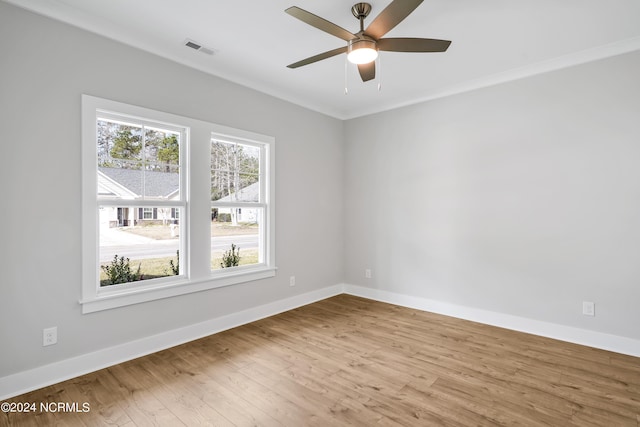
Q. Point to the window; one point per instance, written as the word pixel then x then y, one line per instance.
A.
pixel 146 220
pixel 148 213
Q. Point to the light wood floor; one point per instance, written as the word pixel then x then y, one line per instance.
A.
pixel 352 361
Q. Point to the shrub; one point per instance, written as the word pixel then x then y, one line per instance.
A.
pixel 119 271
pixel 231 258
pixel 224 217
pixel 175 268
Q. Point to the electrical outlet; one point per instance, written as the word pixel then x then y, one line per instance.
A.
pixel 588 308
pixel 292 281
pixel 50 336
pixel 367 273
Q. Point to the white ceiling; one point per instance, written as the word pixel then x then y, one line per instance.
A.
pixel 254 40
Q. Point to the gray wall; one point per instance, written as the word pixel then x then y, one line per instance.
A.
pixel 522 198
pixel 44 68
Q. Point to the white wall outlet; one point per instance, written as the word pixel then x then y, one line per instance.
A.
pixel 367 273
pixel 588 308
pixel 292 281
pixel 50 336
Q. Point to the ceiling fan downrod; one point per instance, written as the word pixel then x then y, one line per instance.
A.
pixel 361 11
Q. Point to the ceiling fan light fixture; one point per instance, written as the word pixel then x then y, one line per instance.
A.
pixel 362 51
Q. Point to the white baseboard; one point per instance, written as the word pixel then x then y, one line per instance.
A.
pixel 585 337
pixel 33 379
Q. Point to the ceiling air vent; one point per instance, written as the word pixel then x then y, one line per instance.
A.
pixel 198 47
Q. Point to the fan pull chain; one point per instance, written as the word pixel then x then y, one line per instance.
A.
pixel 379 67
pixel 346 65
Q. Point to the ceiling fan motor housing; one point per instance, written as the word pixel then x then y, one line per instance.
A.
pixel 362 42
pixel 361 10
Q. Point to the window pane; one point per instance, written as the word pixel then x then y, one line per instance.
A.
pixel 235 172
pixel 148 237
pixel 137 162
pixel 240 227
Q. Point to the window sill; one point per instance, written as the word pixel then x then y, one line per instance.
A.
pixel 108 299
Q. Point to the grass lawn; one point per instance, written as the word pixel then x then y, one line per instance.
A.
pixel 159 267
pixel 247 257
pixel 152 268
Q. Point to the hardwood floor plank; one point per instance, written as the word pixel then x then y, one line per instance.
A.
pixel 351 361
pixel 139 400
pixel 173 389
pixel 89 389
pixel 264 398
pixel 306 399
pixel 235 408
pixel 488 407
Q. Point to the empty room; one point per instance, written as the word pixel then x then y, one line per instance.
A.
pixel 268 213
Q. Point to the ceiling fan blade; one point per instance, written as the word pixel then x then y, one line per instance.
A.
pixel 367 71
pixel 413 45
pixel 318 57
pixel 320 23
pixel 391 16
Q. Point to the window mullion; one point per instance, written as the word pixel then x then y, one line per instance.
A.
pixel 144 160
pixel 238 205
pixel 142 203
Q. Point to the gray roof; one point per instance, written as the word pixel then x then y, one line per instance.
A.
pixel 156 184
pixel 250 193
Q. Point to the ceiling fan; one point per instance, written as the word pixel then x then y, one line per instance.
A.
pixel 362 47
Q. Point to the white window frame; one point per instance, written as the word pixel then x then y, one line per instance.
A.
pixel 195 217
